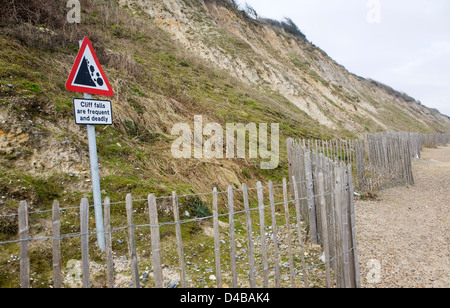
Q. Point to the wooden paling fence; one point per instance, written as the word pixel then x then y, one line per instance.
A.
pixel 433 141
pixel 330 216
pixel 316 205
pixel 276 255
pixel 380 160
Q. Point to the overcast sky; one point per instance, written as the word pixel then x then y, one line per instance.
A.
pixel 402 43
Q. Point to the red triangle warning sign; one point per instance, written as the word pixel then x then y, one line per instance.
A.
pixel 87 75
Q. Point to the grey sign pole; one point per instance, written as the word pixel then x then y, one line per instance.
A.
pixel 95 178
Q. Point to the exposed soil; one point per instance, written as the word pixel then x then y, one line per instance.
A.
pixel 404 236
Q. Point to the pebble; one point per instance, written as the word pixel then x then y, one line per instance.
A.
pixel 397 237
pixel 144 277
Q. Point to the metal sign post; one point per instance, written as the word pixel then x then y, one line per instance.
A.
pixel 88 77
pixel 95 178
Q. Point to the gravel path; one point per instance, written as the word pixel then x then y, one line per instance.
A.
pixel 404 237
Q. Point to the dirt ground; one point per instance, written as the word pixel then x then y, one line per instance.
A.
pixel 404 237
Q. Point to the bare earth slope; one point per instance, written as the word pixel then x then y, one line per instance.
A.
pixel 408 231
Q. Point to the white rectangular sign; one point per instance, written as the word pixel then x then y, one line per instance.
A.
pixel 92 112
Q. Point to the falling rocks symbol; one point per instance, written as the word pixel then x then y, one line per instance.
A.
pixel 87 75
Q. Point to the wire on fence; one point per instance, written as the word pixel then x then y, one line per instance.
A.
pixel 79 234
pixel 157 198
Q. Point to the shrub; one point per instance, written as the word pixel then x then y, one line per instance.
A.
pixel 196 206
pixel 50 14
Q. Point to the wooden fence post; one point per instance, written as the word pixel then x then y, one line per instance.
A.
pixel 299 231
pixel 108 243
pixel 232 237
pixel 288 231
pixel 262 226
pixel 131 242
pixel 56 234
pixel 346 230
pixel 176 214
pixel 84 224
pixel 360 167
pixel 251 255
pixel 317 215
pixel 310 193
pixel 326 247
pixel 24 245
pixel 156 244
pixel 217 239
pixel 338 225
pixel 275 236
pixel 357 273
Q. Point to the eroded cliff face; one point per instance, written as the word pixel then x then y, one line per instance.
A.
pixel 271 59
pixel 167 61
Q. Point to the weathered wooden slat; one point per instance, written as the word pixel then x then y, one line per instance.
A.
pixel 182 264
pixel 288 233
pixel 326 247
pixel 310 194
pixel 299 231
pixel 262 225
pixel 56 234
pixel 357 274
pixel 84 225
pixel 360 167
pixel 217 239
pixel 348 274
pixel 156 242
pixel 275 236
pixel 24 245
pixel 232 238
pixel 338 225
pixel 132 242
pixel 108 243
pixel 251 254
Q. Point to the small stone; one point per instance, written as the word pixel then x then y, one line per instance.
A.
pixel 322 258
